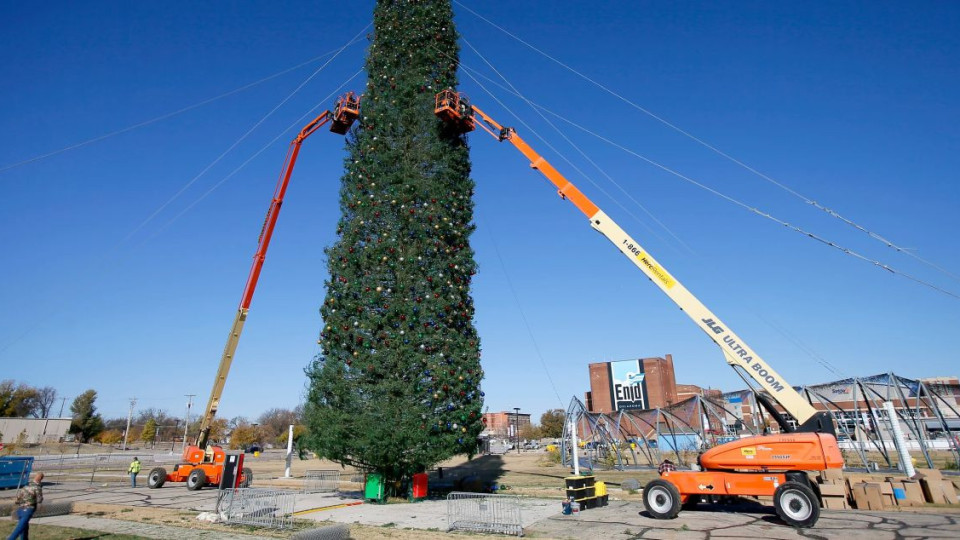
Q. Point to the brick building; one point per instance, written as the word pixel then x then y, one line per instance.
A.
pixel 687 391
pixel 645 383
pixel 503 424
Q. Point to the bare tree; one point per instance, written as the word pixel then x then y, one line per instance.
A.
pixel 159 416
pixel 46 397
pixel 274 422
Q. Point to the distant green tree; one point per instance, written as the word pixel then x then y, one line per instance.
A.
pixel 551 423
pixel 396 388
pixel 18 400
pixel 86 424
pixel 149 434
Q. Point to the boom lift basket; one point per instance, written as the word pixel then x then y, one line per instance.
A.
pixel 455 109
pixel 346 110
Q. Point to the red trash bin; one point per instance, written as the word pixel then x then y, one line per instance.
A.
pixel 420 486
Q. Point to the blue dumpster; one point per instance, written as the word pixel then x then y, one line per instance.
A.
pixel 15 471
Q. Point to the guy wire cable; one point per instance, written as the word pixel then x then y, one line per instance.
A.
pixel 296 123
pixel 578 149
pixel 523 315
pixel 170 114
pixel 106 258
pixel 615 200
pixel 709 189
pixel 707 145
pixel 242 137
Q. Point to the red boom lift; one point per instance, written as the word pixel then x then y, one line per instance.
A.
pixel 202 464
pixel 764 465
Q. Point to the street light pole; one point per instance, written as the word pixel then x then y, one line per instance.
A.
pixel 186 422
pixel 516 425
pixel 126 432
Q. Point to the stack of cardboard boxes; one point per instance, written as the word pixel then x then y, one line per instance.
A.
pixel 834 492
pixel 928 486
pixel 935 488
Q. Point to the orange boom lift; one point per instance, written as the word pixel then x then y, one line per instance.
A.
pixel 763 465
pixel 202 464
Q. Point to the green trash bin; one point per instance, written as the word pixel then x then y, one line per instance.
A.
pixel 373 491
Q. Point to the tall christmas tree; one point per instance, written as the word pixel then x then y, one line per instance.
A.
pixel 396 387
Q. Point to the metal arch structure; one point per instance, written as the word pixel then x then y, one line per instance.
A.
pixel 643 438
pixel 593 432
pixel 856 406
pixel 919 410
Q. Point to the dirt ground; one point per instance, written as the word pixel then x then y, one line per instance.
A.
pixel 528 473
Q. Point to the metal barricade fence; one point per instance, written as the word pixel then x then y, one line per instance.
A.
pixel 321 481
pixel 481 512
pixel 258 507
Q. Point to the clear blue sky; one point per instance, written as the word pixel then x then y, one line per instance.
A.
pixel 852 104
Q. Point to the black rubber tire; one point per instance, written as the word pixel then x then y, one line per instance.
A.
pixel 196 479
pixel 156 478
pixel 692 502
pixel 661 499
pixel 247 478
pixel 797 505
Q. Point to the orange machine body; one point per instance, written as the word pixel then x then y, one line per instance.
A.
pixel 195 458
pixel 783 452
pixel 757 465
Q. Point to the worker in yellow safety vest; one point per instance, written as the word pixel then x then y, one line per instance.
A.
pixel 133 470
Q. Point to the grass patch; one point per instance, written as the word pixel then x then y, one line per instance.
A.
pixel 54 532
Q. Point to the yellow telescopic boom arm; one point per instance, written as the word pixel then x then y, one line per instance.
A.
pixel 452 107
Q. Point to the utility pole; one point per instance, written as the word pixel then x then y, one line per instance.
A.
pixel 126 433
pixel 62 403
pixel 186 423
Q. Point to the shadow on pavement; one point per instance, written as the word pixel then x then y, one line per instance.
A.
pixel 478 475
